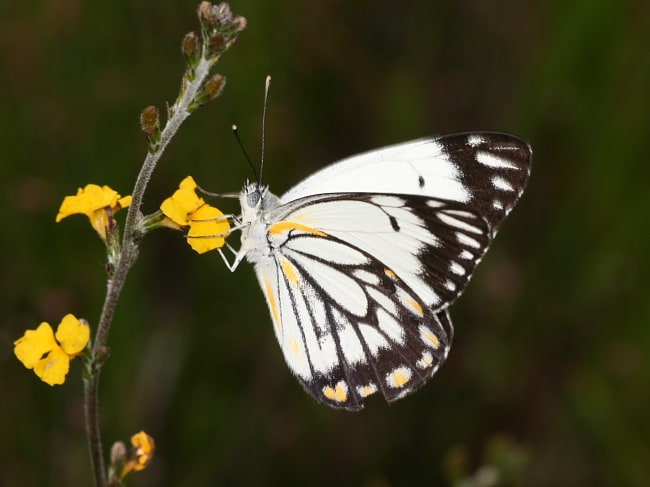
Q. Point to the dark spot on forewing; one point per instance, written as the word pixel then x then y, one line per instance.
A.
pixel 394 224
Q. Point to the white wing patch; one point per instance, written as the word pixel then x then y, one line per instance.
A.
pixel 390 327
pixel 494 161
pixel 387 200
pixel 500 183
pixel 451 219
pixel 375 340
pixel 475 140
pixel 340 287
pixel 391 170
pixel 353 351
pixel 335 252
pixel 367 277
pixel 385 302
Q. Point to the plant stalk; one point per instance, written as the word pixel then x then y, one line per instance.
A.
pixel 127 257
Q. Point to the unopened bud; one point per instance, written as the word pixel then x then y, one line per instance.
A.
pixel 205 13
pixel 150 121
pixel 118 453
pixel 190 48
pixel 214 86
pixel 217 43
pixel 210 90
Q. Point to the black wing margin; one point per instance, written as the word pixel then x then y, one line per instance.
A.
pixel 495 168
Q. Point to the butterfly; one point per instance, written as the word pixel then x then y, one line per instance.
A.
pixel 360 261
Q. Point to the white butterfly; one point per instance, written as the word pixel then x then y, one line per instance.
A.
pixel 360 261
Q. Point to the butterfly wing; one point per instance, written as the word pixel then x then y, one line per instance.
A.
pixel 358 283
pixel 487 171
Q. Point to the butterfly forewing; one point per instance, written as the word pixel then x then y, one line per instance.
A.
pixel 487 171
pixel 360 261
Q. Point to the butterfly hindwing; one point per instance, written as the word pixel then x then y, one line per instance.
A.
pixel 358 285
pixel 352 327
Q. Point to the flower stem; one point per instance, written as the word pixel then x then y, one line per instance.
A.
pixel 93 433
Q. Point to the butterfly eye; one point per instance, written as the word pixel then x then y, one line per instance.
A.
pixel 253 198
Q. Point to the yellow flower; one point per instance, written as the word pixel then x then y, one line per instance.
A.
pixel 182 203
pixel 48 354
pixel 98 203
pixel 207 225
pixel 140 455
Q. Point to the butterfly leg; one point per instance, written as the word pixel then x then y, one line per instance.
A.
pixel 239 256
pixel 225 259
pixel 235 219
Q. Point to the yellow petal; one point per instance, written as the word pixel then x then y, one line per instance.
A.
pixel 73 335
pixel 123 202
pixel 54 367
pixel 87 200
pixel 183 202
pixel 207 230
pixel 169 223
pixel 188 184
pixel 101 220
pixel 34 344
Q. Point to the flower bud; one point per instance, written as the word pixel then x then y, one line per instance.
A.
pixel 191 49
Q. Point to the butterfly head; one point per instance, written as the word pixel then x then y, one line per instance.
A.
pixel 254 199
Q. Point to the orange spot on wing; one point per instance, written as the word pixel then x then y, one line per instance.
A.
pixel 294 346
pixel 398 377
pixel 289 271
pixel 338 394
pixel 282 227
pixel 365 391
pixel 273 304
pixel 390 274
pixel 415 306
pixel 435 343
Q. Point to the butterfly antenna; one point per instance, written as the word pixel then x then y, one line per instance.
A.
pixel 267 85
pixel 235 132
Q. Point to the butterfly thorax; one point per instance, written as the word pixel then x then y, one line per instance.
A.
pixel 256 201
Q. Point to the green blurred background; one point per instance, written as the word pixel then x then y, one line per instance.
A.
pixel 547 382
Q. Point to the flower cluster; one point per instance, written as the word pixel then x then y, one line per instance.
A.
pixel 207 227
pixel 98 203
pixel 49 354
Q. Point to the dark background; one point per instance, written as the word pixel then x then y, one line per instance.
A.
pixel 547 381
